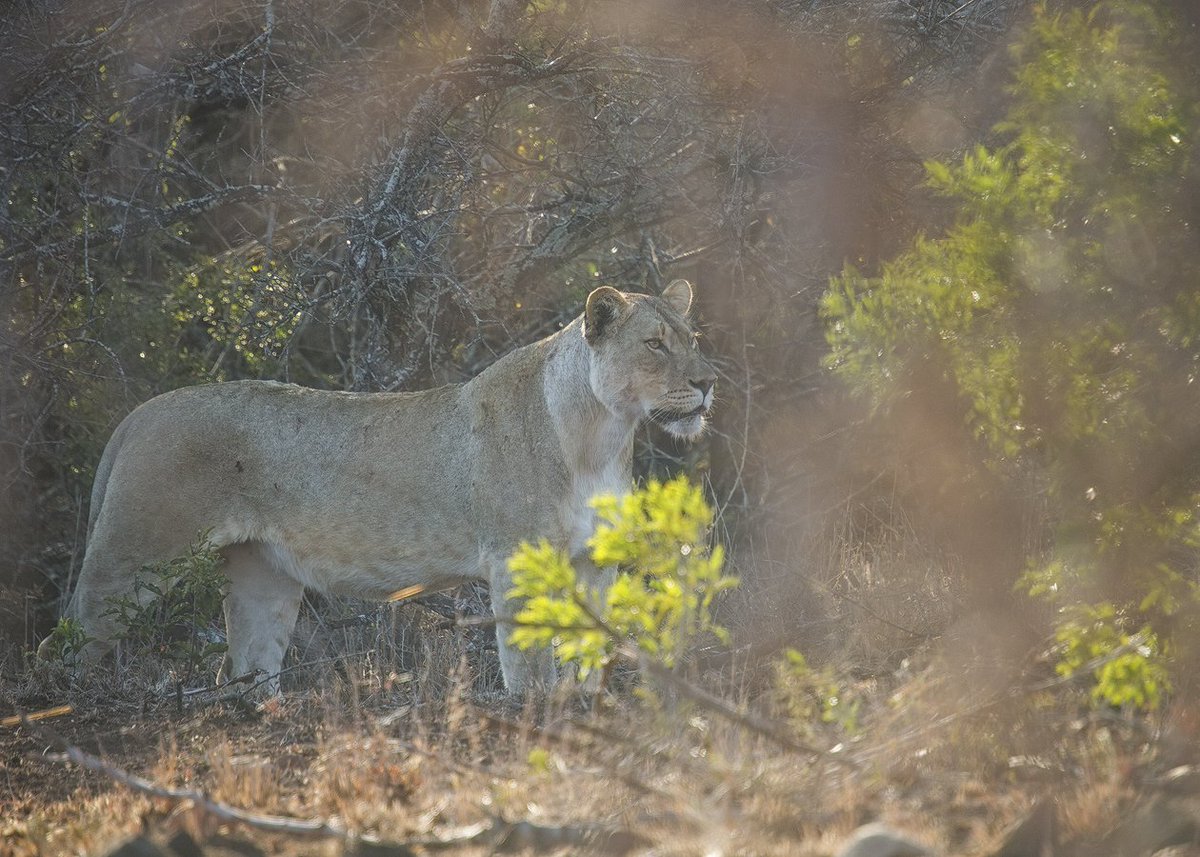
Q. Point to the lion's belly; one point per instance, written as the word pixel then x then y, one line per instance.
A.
pixel 377 580
pixel 349 558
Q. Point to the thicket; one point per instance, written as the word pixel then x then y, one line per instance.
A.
pixel 946 262
pixel 1060 312
pixel 359 194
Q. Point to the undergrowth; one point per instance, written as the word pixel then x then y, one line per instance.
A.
pixel 394 726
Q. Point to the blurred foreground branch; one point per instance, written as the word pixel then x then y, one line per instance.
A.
pixel 67 752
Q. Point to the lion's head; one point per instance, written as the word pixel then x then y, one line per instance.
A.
pixel 644 358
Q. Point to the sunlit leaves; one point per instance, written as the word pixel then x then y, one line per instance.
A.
pixel 1127 669
pixel 1061 307
pixel 1043 236
pixel 807 696
pixel 944 303
pixel 662 602
pixel 236 317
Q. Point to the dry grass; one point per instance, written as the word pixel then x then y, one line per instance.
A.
pixel 411 742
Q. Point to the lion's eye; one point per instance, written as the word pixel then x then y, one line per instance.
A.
pixel 655 344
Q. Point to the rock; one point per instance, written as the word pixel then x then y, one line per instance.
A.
pixel 1035 836
pixel 182 845
pixel 137 847
pixel 878 840
pixel 1159 823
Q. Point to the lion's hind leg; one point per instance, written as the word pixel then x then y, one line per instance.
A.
pixel 107 575
pixel 261 605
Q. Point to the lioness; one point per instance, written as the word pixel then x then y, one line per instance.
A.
pixel 368 493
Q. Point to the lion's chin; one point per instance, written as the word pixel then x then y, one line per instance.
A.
pixel 688 428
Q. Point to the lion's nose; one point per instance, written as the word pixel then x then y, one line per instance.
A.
pixel 704 385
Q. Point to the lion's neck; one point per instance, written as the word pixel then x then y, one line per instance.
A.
pixel 594 440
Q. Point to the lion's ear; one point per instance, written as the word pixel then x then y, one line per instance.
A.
pixel 679 296
pixel 603 306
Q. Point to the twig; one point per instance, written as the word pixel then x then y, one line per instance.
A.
pixel 264 679
pixel 568 740
pixel 747 720
pixel 873 614
pixel 259 679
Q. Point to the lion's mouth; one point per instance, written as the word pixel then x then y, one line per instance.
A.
pixel 663 416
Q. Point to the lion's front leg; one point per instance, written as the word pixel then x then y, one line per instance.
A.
pixel 597 580
pixel 528 671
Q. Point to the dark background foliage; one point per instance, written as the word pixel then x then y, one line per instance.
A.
pixel 370 195
pixel 946 260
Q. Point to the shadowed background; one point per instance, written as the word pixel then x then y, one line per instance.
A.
pixel 364 195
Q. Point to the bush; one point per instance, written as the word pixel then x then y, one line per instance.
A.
pixel 1126 669
pixel 662 602
pixel 171 604
pixel 1060 310
pixel 805 696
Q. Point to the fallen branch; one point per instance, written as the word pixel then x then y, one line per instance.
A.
pixel 44 714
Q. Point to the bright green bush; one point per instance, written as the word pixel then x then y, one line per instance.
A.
pixel 661 603
pixel 1127 669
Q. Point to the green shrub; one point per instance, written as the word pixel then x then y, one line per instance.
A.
pixel 1127 669
pixel 661 603
pixel 1060 309
pixel 67 641
pixel 170 604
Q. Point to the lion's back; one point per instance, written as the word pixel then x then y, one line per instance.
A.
pixel 260 459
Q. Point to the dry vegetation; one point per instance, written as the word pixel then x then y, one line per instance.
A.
pixel 363 194
pixel 394 737
pixel 418 751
